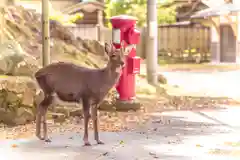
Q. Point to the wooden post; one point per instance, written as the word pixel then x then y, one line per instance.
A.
pixel 1 23
pixel 2 20
pixel 98 27
pixel 45 33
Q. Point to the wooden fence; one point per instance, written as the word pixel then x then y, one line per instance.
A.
pixel 85 31
pixel 179 40
pixel 176 40
pixel 92 32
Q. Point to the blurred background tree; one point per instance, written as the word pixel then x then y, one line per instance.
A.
pixel 138 8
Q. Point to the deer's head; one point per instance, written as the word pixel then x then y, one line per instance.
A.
pixel 116 56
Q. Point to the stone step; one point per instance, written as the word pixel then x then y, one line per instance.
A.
pixel 68 111
pixel 57 117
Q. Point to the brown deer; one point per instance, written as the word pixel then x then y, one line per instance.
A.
pixel 72 83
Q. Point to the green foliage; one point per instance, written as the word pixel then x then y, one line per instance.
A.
pixel 66 19
pixel 75 17
pixel 166 14
pixel 138 9
pixel 63 18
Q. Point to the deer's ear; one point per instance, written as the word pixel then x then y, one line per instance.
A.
pixel 122 44
pixel 122 47
pixel 108 48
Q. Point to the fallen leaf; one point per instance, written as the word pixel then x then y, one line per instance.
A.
pixel 14 146
pixel 198 145
pixel 105 153
pixel 154 155
pixel 233 144
pixel 121 142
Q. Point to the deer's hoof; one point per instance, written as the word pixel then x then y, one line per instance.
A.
pixel 39 137
pixel 87 144
pixel 48 140
pixel 100 142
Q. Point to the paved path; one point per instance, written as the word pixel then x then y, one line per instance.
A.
pixel 212 82
pixel 189 136
pixel 178 135
pixel 215 83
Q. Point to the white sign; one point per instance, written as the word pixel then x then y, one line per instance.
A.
pixel 129 48
pixel 116 36
pixel 152 29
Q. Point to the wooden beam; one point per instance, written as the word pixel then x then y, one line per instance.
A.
pixel 232 24
pixel 216 24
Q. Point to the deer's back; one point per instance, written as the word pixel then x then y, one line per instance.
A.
pixel 72 82
pixel 64 76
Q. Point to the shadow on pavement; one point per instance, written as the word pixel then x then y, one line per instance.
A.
pixel 191 124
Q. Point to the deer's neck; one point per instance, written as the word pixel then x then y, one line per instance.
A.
pixel 112 72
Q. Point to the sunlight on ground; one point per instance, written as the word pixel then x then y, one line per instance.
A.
pixel 210 83
pixel 224 84
pixel 228 148
pixel 193 151
pixel 225 152
pixel 202 66
pixel 232 144
pixel 155 149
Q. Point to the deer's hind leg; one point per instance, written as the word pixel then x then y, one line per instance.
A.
pixel 41 117
pixel 94 110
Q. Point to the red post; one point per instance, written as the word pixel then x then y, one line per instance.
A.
pixel 124 30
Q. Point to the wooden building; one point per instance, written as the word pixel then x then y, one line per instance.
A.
pixel 186 8
pixel 224 19
pixel 93 10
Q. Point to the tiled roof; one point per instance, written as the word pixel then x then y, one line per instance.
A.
pixel 81 5
pixel 212 3
pixel 217 10
pixel 209 3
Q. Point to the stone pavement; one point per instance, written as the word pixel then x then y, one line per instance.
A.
pixel 178 135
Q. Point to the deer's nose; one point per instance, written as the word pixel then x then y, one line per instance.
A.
pixel 122 64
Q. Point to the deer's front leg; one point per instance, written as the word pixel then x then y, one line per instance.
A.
pixel 86 108
pixel 95 123
pixel 38 123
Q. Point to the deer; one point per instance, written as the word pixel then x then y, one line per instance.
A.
pixel 78 84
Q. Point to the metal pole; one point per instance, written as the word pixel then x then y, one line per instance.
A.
pixel 151 47
pixel 45 33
